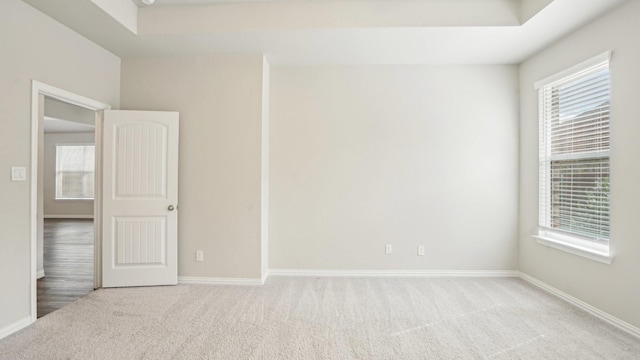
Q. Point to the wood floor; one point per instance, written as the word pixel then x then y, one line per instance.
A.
pixel 68 263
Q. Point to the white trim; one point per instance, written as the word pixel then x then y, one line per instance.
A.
pixel 67 200
pixel 605 56
pixel 40 274
pixel 76 144
pixel 35 103
pixel 582 156
pixel 97 204
pixel 575 249
pixel 265 276
pixel 218 280
pixel 38 88
pixel 68 216
pixel 15 327
pixel 396 273
pixel 69 97
pixel 606 317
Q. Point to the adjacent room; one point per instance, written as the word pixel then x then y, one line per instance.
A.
pixel 311 179
pixel 65 191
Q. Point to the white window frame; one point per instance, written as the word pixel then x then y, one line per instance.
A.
pixel 55 195
pixel 569 242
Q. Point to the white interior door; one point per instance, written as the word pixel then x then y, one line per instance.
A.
pixel 140 198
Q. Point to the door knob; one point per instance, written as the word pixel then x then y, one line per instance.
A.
pixel 170 208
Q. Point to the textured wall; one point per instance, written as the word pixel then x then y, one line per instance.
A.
pixel 35 47
pixel 613 288
pixel 220 103
pixel 363 156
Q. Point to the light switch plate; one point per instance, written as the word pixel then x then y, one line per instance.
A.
pixel 18 173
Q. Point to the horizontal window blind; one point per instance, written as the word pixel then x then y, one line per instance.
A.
pixel 574 153
pixel 75 171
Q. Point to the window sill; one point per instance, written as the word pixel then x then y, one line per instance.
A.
pixel 594 252
pixel 72 199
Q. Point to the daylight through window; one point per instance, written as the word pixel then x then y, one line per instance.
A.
pixel 574 153
pixel 75 167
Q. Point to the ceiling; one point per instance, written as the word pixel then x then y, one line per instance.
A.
pixel 329 31
pixel 54 126
pixel 62 117
pixel 200 2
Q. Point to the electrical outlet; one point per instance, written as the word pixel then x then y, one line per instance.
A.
pixel 388 249
pixel 199 255
pixel 421 250
pixel 18 173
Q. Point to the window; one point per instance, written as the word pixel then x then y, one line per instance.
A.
pixel 574 159
pixel 75 166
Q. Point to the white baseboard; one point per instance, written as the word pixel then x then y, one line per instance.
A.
pixel 218 281
pixel 40 274
pixel 620 324
pixel 345 273
pixel 392 273
pixel 68 216
pixel 16 326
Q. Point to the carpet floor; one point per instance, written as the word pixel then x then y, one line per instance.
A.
pixel 324 318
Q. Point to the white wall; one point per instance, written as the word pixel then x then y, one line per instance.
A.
pixel 64 111
pixel 35 47
pixel 60 208
pixel 220 103
pixel 613 288
pixel 362 156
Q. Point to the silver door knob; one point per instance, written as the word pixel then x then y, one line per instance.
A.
pixel 170 208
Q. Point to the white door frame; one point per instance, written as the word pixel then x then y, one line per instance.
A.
pixel 37 89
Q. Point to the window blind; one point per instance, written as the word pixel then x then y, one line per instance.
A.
pixel 75 166
pixel 574 152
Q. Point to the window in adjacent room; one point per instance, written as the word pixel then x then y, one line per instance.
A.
pixel 75 167
pixel 574 172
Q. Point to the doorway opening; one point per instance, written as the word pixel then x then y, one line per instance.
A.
pixel 66 187
pixel 68 263
pixel 65 197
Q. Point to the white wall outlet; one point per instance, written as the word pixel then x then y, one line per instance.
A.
pixel 388 249
pixel 199 255
pixel 421 250
pixel 18 173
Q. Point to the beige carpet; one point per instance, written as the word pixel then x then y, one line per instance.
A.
pixel 324 318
